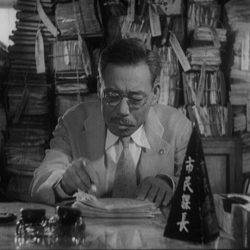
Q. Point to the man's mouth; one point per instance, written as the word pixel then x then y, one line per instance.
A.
pixel 122 123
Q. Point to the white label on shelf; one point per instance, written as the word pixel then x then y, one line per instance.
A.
pixel 245 52
pixel 154 19
pixel 179 52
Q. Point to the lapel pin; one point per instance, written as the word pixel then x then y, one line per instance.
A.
pixel 161 151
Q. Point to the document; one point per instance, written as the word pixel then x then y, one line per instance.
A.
pixel 91 206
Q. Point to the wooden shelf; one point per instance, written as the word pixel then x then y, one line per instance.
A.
pixel 224 162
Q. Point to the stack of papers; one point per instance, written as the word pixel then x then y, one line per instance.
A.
pixel 29 97
pixel 82 15
pixel 169 78
pixel 238 16
pixel 206 54
pixel 92 207
pixel 238 12
pixel 35 102
pixel 203 13
pixel 72 65
pixel 205 33
pixel 70 88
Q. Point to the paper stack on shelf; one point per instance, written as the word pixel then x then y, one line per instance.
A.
pixel 28 96
pixel 211 120
pixel 70 89
pixel 207 55
pixel 238 19
pixel 136 29
pixel 72 67
pixel 203 13
pixel 169 78
pixel 79 16
pixel 26 144
pixel 37 102
pixel 204 86
pixel 212 91
pixel 207 97
pixel 204 33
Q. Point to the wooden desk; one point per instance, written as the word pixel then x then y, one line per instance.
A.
pixel 223 157
pixel 102 233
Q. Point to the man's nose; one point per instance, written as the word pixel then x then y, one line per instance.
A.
pixel 123 107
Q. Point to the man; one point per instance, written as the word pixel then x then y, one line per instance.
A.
pixel 125 145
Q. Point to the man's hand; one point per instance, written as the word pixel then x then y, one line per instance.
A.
pixel 77 176
pixel 156 190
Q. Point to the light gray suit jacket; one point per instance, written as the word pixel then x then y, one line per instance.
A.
pixel 81 132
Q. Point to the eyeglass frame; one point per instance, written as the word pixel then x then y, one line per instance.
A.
pixel 123 95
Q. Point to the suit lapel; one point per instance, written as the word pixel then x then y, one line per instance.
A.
pixel 154 159
pixel 93 134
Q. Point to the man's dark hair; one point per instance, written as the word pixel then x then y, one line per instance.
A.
pixel 130 51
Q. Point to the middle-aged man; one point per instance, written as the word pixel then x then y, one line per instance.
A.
pixel 125 144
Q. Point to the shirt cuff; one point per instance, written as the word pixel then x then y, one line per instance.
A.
pixel 59 192
pixel 169 180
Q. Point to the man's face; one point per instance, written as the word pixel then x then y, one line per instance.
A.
pixel 127 95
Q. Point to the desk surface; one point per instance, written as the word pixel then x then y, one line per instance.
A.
pixel 109 233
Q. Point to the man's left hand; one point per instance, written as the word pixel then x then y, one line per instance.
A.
pixel 156 190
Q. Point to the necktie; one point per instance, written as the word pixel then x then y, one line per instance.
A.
pixel 125 176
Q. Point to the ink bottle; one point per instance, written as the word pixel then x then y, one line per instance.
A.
pixel 70 227
pixel 30 227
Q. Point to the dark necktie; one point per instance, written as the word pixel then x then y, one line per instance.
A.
pixel 125 176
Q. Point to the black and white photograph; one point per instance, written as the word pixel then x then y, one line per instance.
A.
pixel 124 124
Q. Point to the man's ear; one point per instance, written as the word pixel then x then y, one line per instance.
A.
pixel 156 93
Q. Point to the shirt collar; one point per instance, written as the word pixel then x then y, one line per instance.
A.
pixel 139 137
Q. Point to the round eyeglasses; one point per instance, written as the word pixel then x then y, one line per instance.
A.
pixel 135 100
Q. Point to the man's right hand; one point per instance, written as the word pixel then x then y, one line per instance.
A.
pixel 76 177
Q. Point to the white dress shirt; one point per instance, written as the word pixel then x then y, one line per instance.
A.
pixel 113 146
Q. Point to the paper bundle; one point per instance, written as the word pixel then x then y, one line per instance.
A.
pixel 238 19
pixel 169 78
pixel 28 25
pixel 72 67
pixel 136 29
pixel 70 89
pixel 81 16
pixel 207 90
pixel 204 33
pixel 25 148
pixel 207 55
pixel 212 121
pixel 28 95
pixel 90 206
pixel 70 82
pixel 203 13
pixel 35 102
pixel 70 55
